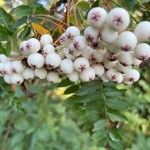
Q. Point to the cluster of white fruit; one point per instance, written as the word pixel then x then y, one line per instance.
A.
pixel 106 51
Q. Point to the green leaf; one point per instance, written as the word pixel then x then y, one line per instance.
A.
pixel 116 103
pixel 17 138
pixel 26 31
pixel 8 48
pixel 3 33
pixel 99 125
pixel 81 99
pixel 22 11
pixel 88 88
pixel 5 48
pixel 100 134
pixel 131 4
pixel 20 22
pixel 64 83
pixel 3 117
pixel 18 93
pixel 71 89
pixel 71 101
pixel 96 3
pixel 40 9
pixel 5 18
pixel 115 145
pixel 21 124
pixel 117 116
pixel 113 92
pixel 84 6
pixel 114 135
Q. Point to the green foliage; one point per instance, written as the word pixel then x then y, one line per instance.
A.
pixel 5 18
pixel 22 11
pixel 97 106
pixel 141 142
pixel 43 125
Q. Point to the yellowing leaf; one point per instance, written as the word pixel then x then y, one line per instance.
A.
pixel 39 29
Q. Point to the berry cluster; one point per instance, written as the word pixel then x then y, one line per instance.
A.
pixel 105 51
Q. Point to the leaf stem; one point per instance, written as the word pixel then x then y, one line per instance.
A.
pixel 104 101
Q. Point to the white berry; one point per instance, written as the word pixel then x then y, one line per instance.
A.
pixel 33 45
pixel 104 78
pixel 97 17
pixel 74 76
pixel 108 35
pixel 80 64
pixel 47 49
pixel 69 54
pixel 142 31
pixel 3 58
pixel 111 74
pixel 7 79
pixel 97 56
pixel 64 40
pixel 17 67
pixel 72 32
pixel 111 56
pixel 1 69
pixel 80 42
pixel 46 39
pixel 126 41
pixel 53 77
pixel 126 58
pixel 119 77
pixel 142 51
pixel 123 69
pixel 40 73
pixel 35 60
pixel 7 68
pixel 91 34
pixel 23 48
pixel 99 69
pixel 132 76
pixel 28 74
pixel 16 78
pixel 74 51
pixel 66 66
pixel 87 53
pixel 114 76
pixel 118 19
pixel 87 74
pixel 109 64
pixel 53 60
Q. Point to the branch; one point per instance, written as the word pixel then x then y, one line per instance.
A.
pixel 25 89
pixel 8 129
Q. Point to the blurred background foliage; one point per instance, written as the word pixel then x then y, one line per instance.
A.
pixel 67 116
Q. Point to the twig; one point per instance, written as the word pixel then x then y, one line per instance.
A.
pixel 8 129
pixel 25 89
pixel 49 21
pixel 50 17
